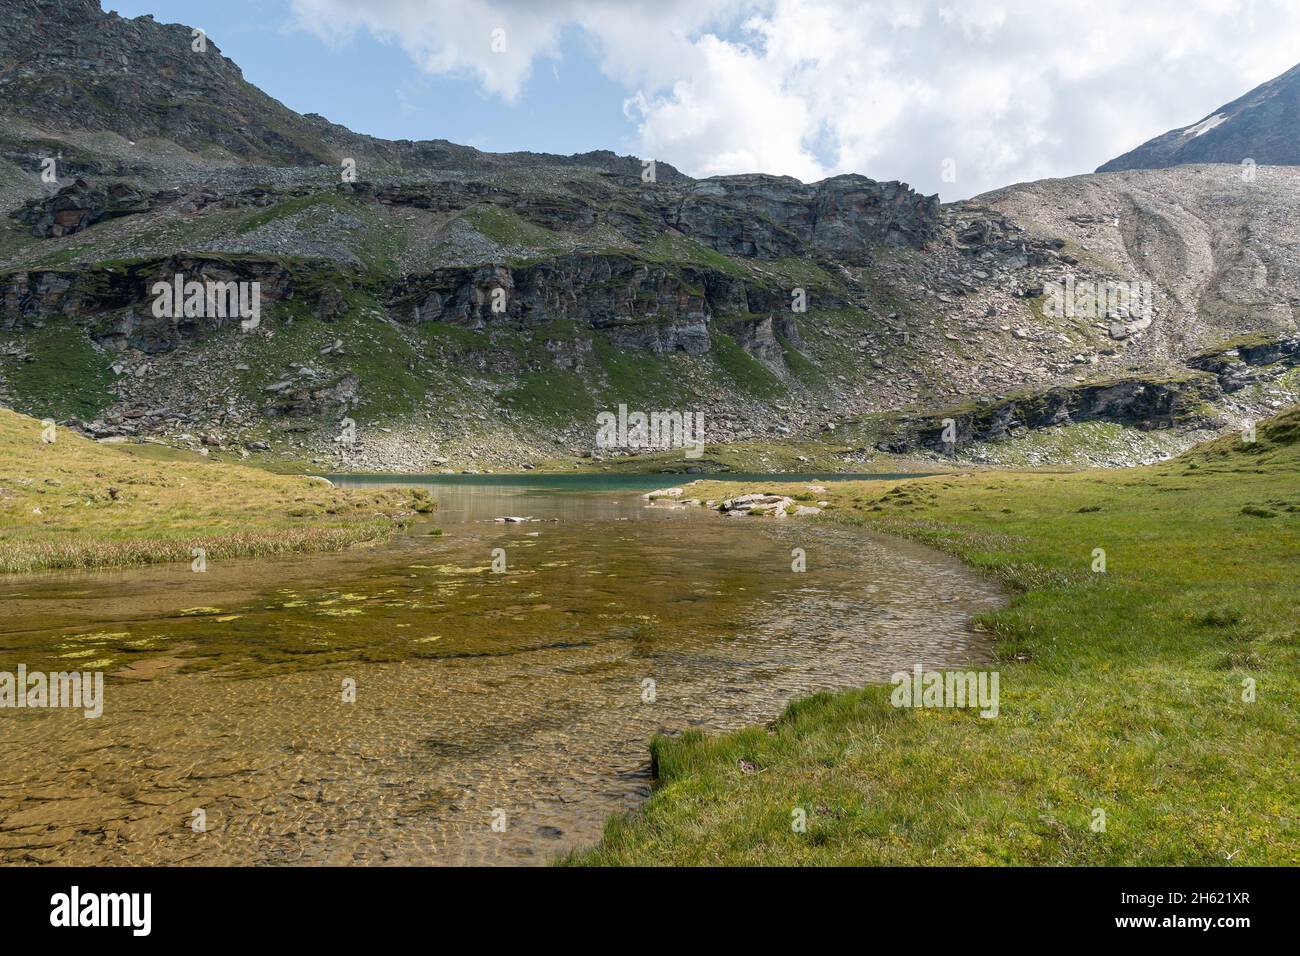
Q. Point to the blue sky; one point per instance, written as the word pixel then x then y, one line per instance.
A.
pixel 373 87
pixel 952 96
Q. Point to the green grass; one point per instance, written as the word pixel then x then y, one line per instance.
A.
pixel 638 379
pixel 15 238
pixel 387 366
pixel 74 503
pixel 1121 691
pixel 741 369
pixel 676 249
pixel 454 340
pixel 1219 345
pixel 285 209
pixel 802 369
pixel 384 362
pixel 68 379
pixel 805 274
pixel 557 396
pixel 507 228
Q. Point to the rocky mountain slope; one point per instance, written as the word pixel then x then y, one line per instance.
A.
pixel 473 310
pixel 1263 125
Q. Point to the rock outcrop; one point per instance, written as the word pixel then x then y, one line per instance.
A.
pixel 72 66
pixel 640 305
pixel 1243 364
pixel 770 217
pixel 476 306
pixel 119 298
pixel 80 205
pixel 1136 402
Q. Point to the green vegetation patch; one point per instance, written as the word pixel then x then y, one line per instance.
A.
pixel 507 228
pixel 802 369
pixel 743 370
pixel 1148 713
pixel 69 377
pixel 638 379
pixel 75 503
pixel 285 209
pixel 557 396
pixel 387 365
pixel 678 249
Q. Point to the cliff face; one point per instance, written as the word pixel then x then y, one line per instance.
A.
pixel 769 217
pixel 482 307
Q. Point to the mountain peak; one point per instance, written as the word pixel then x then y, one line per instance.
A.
pixel 71 67
pixel 1263 125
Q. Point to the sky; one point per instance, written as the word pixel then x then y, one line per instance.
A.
pixel 952 96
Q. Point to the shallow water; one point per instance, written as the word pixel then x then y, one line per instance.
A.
pixel 498 717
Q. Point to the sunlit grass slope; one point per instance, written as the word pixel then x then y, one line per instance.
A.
pixel 74 503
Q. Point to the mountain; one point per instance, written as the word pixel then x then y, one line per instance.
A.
pixel 70 66
pixel 470 310
pixel 76 73
pixel 1263 125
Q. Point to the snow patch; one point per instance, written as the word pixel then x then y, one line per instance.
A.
pixel 1204 126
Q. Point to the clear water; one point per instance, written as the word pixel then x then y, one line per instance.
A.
pixel 499 717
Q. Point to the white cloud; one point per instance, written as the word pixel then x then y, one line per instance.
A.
pixel 1009 90
pixel 495 42
pixel 734 116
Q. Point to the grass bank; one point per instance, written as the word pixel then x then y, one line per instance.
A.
pixel 1148 714
pixel 74 503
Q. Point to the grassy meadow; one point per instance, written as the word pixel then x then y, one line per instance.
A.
pixel 1149 713
pixel 76 503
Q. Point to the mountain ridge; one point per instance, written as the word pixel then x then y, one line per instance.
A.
pixel 808 321
pixel 1262 127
